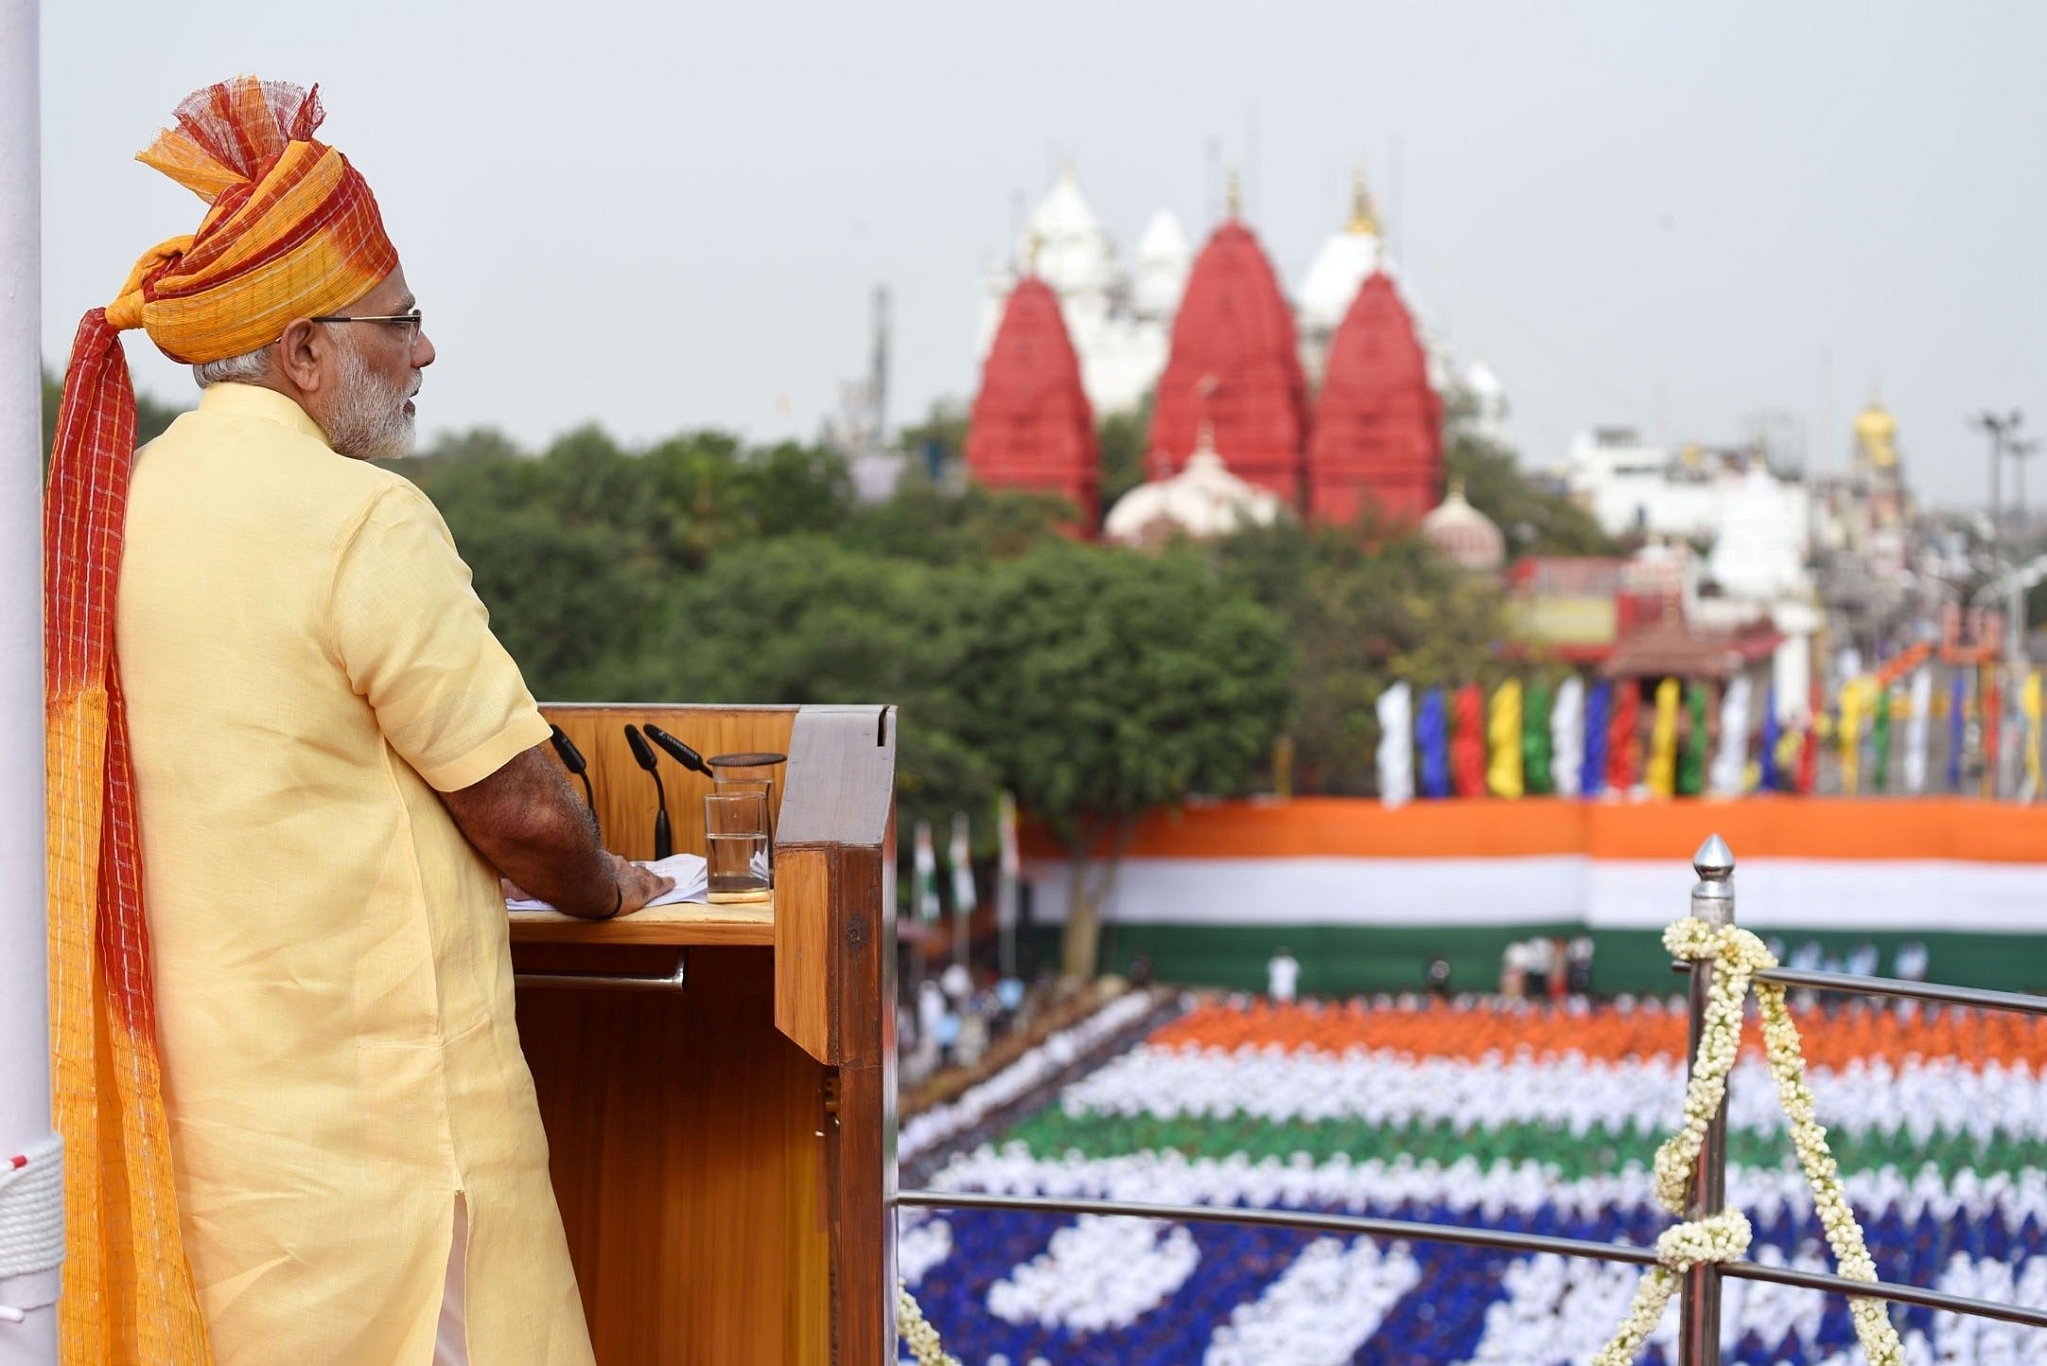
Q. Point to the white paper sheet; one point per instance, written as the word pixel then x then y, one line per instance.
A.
pixel 691 883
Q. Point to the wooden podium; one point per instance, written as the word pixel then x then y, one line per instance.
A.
pixel 718 1083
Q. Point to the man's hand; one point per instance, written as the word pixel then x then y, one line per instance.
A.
pixel 637 885
pixel 540 837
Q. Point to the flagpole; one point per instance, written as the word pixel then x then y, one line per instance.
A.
pixel 24 1003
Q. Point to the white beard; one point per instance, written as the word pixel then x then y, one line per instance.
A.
pixel 369 420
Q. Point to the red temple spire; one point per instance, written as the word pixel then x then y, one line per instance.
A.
pixel 1378 424
pixel 1235 363
pixel 1032 427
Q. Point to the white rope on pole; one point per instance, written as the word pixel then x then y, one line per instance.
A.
pixel 31 1170
pixel 31 1218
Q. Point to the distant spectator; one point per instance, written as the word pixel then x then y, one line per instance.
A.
pixel 1282 977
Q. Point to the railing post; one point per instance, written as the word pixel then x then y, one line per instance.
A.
pixel 1699 1309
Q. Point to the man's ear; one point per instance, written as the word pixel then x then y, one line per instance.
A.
pixel 300 353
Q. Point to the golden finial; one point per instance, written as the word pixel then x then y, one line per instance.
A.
pixel 1233 193
pixel 1034 241
pixel 1362 218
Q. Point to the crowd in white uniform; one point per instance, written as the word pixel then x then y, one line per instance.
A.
pixel 1106 1273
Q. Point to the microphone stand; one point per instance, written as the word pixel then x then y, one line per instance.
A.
pixel 664 843
pixel 572 760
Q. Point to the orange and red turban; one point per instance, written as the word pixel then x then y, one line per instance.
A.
pixel 291 231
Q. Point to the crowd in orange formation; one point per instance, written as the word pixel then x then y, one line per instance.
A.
pixel 1833 1039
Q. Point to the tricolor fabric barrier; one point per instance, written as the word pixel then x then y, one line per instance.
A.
pixel 1691 737
pixel 1533 1119
pixel 1364 895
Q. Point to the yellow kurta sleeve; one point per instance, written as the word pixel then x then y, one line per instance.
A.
pixel 416 643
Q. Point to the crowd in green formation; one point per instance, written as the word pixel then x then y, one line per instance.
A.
pixel 1567 1153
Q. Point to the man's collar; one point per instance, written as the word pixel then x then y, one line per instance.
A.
pixel 253 400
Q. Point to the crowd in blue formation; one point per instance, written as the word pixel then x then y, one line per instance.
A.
pixel 1441 1320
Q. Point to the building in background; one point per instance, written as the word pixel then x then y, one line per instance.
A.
pixel 1032 427
pixel 1235 364
pixel 1378 434
pixel 1202 501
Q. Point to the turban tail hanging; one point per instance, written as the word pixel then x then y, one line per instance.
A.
pixel 292 231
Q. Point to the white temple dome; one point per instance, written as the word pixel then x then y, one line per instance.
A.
pixel 1163 260
pixel 1203 500
pixel 1343 265
pixel 1072 251
pixel 1465 534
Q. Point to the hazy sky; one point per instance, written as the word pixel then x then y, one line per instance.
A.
pixel 662 216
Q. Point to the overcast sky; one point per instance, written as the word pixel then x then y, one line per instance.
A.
pixel 661 215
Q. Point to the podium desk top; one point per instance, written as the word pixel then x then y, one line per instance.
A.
pixel 683 923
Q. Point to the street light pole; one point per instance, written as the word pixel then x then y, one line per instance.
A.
pixel 2001 430
pixel 2020 452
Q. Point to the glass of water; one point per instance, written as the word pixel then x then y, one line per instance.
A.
pixel 736 847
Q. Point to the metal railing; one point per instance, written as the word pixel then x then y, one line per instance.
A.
pixel 1699 1308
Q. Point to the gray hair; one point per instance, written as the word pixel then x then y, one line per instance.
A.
pixel 243 369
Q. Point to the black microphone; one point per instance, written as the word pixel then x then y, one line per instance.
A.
pixel 664 843
pixel 681 753
pixel 572 760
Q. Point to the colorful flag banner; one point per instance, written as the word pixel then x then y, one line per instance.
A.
pixel 1535 742
pixel 1770 770
pixel 926 866
pixel 1567 737
pixel 1598 724
pixel 1661 774
pixel 1504 772
pixel 1730 761
pixel 1918 730
pixel 1848 734
pixel 1993 727
pixel 2030 704
pixel 1809 746
pixel 1624 738
pixel 961 855
pixel 1467 746
pixel 1007 894
pixel 1432 733
pixel 1880 741
pixel 1396 745
pixel 1691 764
pixel 1957 727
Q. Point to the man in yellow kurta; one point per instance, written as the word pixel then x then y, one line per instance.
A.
pixel 289 763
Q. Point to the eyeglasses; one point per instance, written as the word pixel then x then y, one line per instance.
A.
pixel 408 324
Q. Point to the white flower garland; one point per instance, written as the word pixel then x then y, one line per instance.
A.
pixel 917 1333
pixel 1724 1237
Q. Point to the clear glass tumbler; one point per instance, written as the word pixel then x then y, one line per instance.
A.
pixel 736 847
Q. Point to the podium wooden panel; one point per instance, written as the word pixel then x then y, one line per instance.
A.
pixel 724 1152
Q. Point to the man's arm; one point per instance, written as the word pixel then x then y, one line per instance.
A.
pixel 525 819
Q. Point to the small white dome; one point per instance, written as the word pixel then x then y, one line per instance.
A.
pixel 1163 260
pixel 1341 268
pixel 1203 500
pixel 1465 534
pixel 1073 253
pixel 1343 265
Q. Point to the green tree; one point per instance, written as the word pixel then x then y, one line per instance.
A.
pixel 1364 606
pixel 925 522
pixel 1102 685
pixel 1125 440
pixel 803 619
